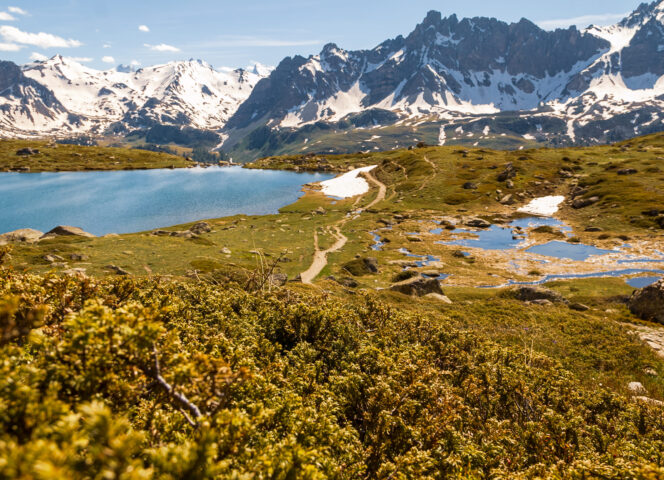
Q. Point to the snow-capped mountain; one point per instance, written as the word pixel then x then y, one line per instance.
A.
pixel 467 81
pixel 588 86
pixel 191 94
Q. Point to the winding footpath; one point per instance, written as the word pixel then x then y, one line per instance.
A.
pixel 320 256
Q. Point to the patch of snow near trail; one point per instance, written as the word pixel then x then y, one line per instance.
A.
pixel 544 206
pixel 441 136
pixel 347 185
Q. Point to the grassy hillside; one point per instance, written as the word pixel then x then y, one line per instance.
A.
pixel 199 363
pixel 54 157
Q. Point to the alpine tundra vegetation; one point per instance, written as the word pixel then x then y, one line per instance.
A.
pixel 465 279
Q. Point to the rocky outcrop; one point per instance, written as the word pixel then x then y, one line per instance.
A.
pixel 27 235
pixel 537 294
pixel 200 228
pixel 361 266
pixel 418 286
pixel 478 223
pixel 648 303
pixel 67 231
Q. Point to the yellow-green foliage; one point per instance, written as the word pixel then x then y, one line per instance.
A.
pixel 56 157
pixel 152 379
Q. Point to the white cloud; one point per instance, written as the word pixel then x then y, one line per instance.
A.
pixel 38 57
pixel 17 10
pixel 6 17
pixel 9 47
pixel 162 47
pixel 108 59
pixel 583 21
pixel 106 45
pixel 144 28
pixel 135 63
pixel 43 40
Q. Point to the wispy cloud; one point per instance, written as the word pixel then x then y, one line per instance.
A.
pixel 162 47
pixel 135 63
pixel 17 10
pixel 41 39
pixel 38 57
pixel 144 28
pixel 583 21
pixel 106 45
pixel 251 41
pixel 6 17
pixel 9 47
pixel 108 59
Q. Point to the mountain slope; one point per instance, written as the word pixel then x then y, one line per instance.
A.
pixel 190 94
pixel 567 86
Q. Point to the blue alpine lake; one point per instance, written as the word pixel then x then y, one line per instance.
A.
pixel 138 200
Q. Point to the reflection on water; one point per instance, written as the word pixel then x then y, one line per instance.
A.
pixel 137 200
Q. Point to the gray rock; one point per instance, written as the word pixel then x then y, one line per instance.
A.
pixel 418 286
pixel 117 270
pixel 201 228
pixel 27 235
pixel 533 294
pixel 79 257
pixel 278 279
pixel 26 152
pixel 439 297
pixel 579 307
pixel 470 186
pixel 67 231
pixel 53 258
pixel 648 303
pixel 584 202
pixel 478 223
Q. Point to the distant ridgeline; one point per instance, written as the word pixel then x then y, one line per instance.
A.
pixel 526 86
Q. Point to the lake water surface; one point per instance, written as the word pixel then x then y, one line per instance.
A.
pixel 137 200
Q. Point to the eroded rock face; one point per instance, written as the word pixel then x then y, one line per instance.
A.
pixel 418 286
pixel 648 303
pixel 65 230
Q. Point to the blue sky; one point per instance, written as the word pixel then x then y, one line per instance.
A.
pixel 103 33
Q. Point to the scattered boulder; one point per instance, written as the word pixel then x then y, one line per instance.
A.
pixel 478 223
pixel 320 211
pixel 458 254
pixel 648 303
pixel 26 152
pixel 27 235
pixel 404 263
pixel 226 251
pixel 470 186
pixel 542 302
pixel 361 266
pixel 184 234
pixel 53 258
pixel 509 172
pixel 584 202
pixel 579 307
pixel 201 228
pixel 593 229
pixel 507 199
pixel 439 297
pixel 404 275
pixel 627 171
pixel 413 238
pixel 532 294
pixel 347 282
pixel 278 279
pixel 67 231
pixel 509 184
pixel 79 257
pixel 653 212
pixel 418 286
pixel 117 270
pixel 636 387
